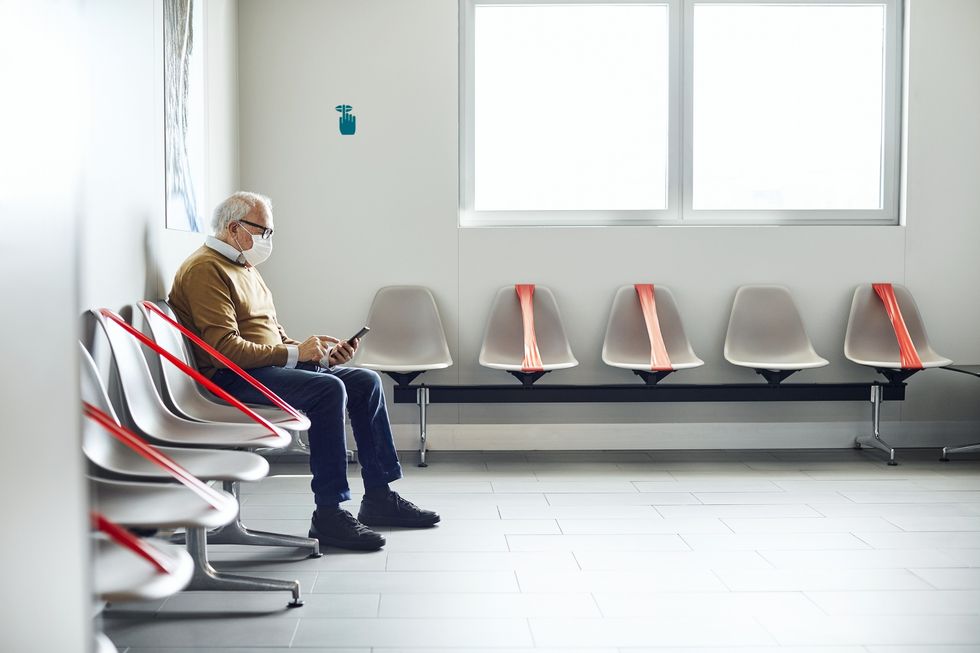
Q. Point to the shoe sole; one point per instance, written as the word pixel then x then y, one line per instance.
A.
pixel 402 523
pixel 345 544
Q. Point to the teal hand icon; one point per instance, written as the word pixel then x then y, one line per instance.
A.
pixel 348 121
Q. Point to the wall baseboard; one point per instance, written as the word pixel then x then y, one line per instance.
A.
pixel 760 435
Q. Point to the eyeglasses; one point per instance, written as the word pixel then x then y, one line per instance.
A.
pixel 266 232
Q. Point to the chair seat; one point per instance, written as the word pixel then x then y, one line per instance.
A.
pixel 167 428
pixel 932 359
pixel 643 363
pixel 801 360
pixel 205 464
pixel 381 365
pixel 627 342
pixel 765 332
pixel 517 366
pixel 121 575
pixel 206 410
pixel 158 505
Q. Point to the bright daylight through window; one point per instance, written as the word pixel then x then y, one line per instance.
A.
pixel 679 112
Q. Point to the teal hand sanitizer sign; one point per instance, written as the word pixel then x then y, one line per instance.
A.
pixel 348 121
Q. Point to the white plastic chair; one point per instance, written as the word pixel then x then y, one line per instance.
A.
pixel 127 568
pixel 627 343
pixel 870 340
pixel 108 454
pixel 157 505
pixel 184 395
pixel 407 336
pixel 766 334
pixel 121 575
pixel 145 410
pixel 503 340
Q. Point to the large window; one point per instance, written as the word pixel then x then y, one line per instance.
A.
pixel 673 112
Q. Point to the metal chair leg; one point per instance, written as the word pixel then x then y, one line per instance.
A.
pixel 423 401
pixel 206 577
pixel 297 445
pixel 237 533
pixel 875 440
pixel 961 449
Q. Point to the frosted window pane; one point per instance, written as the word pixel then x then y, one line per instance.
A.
pixel 570 107
pixel 788 107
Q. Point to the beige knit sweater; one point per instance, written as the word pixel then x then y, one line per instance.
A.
pixel 230 308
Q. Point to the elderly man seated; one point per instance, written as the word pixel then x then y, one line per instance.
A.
pixel 219 293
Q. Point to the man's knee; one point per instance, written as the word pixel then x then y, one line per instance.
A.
pixel 372 379
pixel 328 391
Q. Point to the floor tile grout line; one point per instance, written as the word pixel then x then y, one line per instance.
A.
pixel 295 630
pixel 807 595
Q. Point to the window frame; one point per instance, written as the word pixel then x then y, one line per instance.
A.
pixel 680 210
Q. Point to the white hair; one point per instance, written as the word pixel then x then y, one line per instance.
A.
pixel 237 207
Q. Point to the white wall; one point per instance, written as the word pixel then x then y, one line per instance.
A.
pixel 356 213
pixel 126 251
pixel 44 548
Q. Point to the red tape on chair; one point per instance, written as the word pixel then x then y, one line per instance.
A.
pixel 143 448
pixel 906 348
pixel 532 357
pixel 214 353
pixel 187 369
pixel 135 544
pixel 659 360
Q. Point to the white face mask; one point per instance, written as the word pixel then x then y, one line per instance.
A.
pixel 259 253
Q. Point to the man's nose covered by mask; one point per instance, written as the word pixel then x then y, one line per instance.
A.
pixel 259 253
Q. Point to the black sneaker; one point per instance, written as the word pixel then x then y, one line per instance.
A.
pixel 340 529
pixel 393 510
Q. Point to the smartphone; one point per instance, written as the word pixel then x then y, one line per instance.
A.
pixel 359 334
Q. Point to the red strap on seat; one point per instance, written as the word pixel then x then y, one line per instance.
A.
pixel 659 360
pixel 532 357
pixel 190 371
pixel 214 353
pixel 906 348
pixel 135 544
pixel 143 448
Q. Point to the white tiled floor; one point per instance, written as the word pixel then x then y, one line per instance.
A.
pixel 608 552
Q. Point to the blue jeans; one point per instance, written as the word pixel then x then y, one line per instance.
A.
pixel 323 395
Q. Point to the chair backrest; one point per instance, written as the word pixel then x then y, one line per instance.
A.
pixel 627 343
pixel 178 389
pixel 765 330
pixel 406 332
pixel 870 338
pixel 143 406
pixel 503 340
pixel 97 444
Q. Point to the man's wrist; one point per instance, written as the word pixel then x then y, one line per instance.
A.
pixel 292 355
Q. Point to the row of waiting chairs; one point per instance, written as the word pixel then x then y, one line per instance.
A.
pixel 151 466
pixel 525 335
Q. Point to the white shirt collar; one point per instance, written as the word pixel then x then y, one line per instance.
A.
pixel 225 250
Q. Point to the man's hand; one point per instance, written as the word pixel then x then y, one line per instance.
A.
pixel 343 351
pixel 314 348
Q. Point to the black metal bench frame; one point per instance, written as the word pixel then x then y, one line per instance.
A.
pixel 422 395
